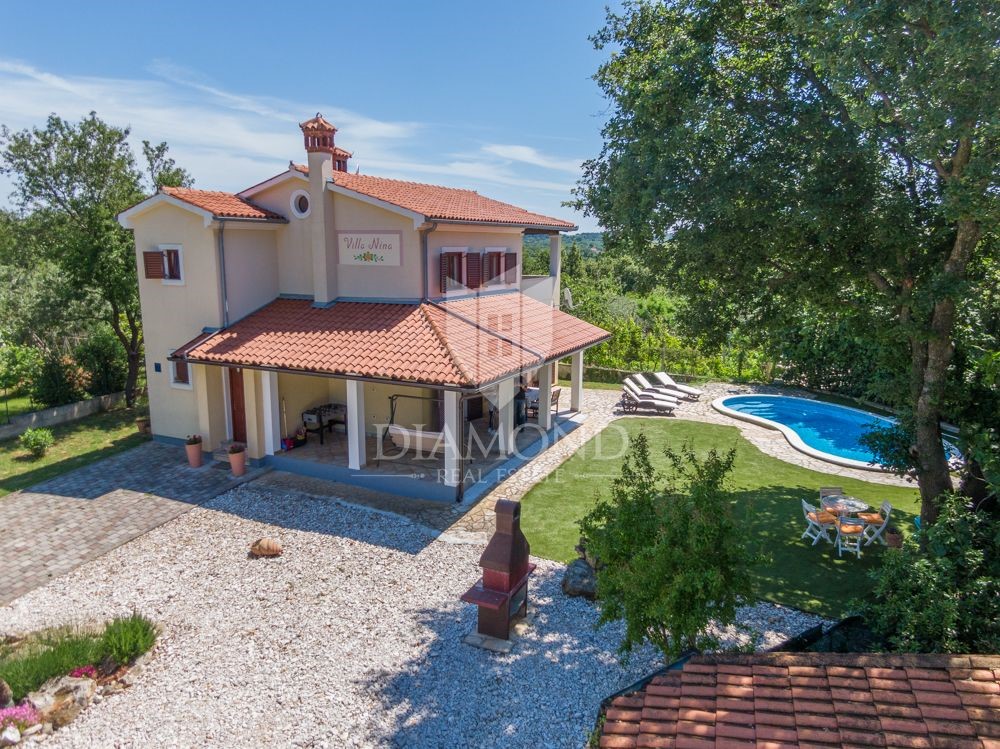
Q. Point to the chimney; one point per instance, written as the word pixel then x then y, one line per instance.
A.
pixel 317 135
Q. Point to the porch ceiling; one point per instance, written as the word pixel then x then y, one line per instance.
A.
pixel 464 343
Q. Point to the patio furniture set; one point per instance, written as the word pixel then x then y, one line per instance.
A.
pixel 638 393
pixel 854 522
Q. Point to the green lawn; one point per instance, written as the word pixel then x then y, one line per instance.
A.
pixel 15 405
pixel 77 444
pixel 807 577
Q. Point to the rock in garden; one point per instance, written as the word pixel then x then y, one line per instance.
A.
pixel 6 696
pixel 579 580
pixel 10 736
pixel 265 547
pixel 60 700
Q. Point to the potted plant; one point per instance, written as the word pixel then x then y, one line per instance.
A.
pixel 193 446
pixel 142 424
pixel 893 537
pixel 300 436
pixel 238 459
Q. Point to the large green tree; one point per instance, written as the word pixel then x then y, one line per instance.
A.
pixel 767 155
pixel 72 179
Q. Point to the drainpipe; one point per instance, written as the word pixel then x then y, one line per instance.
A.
pixel 221 242
pixel 425 255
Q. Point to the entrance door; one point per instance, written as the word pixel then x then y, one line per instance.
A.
pixel 237 406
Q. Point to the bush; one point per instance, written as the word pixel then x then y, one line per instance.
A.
pixel 37 441
pixel 670 561
pixel 943 597
pixel 58 380
pixel 126 638
pixel 55 654
pixel 18 365
pixel 104 361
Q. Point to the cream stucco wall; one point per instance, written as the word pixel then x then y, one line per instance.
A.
pixel 173 314
pixel 473 239
pixel 401 281
pixel 251 268
pixel 293 239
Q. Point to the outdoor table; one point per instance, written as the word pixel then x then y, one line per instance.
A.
pixel 840 504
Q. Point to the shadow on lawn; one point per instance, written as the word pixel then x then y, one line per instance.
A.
pixel 545 693
pixel 799 574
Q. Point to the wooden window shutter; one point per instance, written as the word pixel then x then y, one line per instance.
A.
pixel 474 270
pixel 152 262
pixel 181 372
pixel 444 272
pixel 510 267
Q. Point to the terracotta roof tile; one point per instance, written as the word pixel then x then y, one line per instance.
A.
pixel 459 344
pixel 855 712
pixel 439 202
pixel 221 204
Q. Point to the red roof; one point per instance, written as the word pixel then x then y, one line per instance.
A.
pixel 443 203
pixel 459 344
pixel 813 699
pixel 221 204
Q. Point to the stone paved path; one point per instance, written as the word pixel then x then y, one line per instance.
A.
pixel 51 528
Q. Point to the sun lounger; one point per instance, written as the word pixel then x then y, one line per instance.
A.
pixel 646 386
pixel 631 402
pixel 648 396
pixel 667 381
pixel 633 383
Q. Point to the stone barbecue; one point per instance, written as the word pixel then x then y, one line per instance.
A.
pixel 502 593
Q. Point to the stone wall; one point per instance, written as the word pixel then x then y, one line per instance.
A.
pixel 60 414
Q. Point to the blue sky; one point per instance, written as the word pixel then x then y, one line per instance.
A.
pixel 489 96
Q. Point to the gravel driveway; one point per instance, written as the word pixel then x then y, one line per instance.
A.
pixel 352 638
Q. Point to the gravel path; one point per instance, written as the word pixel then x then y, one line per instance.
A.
pixel 351 639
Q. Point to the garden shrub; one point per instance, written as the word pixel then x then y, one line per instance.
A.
pixel 942 596
pixel 59 380
pixel 671 560
pixel 18 365
pixel 126 638
pixel 55 654
pixel 36 441
pixel 103 359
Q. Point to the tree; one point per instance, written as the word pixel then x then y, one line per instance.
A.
pixel 73 179
pixel 826 151
pixel 672 560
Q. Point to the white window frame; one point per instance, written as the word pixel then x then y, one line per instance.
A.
pixel 295 209
pixel 180 261
pixel 189 385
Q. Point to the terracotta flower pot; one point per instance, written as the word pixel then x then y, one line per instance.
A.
pixel 238 462
pixel 194 455
pixel 142 424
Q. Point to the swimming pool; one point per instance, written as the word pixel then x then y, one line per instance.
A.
pixel 823 430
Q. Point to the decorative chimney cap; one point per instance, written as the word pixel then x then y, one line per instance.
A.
pixel 317 124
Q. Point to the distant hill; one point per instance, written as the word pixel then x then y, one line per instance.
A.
pixel 585 239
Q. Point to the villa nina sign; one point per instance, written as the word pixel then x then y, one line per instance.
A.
pixel 369 247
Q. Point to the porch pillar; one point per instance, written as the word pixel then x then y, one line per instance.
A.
pixel 545 396
pixel 576 381
pixel 251 404
pixel 356 457
pixel 505 415
pixel 555 266
pixel 452 430
pixel 199 377
pixel 272 412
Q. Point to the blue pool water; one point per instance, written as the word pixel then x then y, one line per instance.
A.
pixel 826 427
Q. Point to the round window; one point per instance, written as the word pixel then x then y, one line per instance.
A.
pixel 300 203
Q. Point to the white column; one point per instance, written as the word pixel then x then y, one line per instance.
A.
pixel 356 458
pixel 272 412
pixel 505 415
pixel 576 381
pixel 555 266
pixel 452 430
pixel 545 397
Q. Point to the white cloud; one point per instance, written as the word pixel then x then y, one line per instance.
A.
pixel 529 155
pixel 229 140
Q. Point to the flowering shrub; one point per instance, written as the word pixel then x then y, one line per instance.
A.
pixel 84 671
pixel 20 716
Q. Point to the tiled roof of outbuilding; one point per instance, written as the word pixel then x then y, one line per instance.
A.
pixel 814 700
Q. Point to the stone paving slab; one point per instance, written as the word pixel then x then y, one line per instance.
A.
pixel 53 527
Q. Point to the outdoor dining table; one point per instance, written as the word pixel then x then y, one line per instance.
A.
pixel 841 504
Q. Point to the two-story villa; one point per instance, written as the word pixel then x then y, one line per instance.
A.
pixel 322 296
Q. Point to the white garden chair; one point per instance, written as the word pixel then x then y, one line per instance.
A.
pixel 875 523
pixel 830 491
pixel 850 534
pixel 818 523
